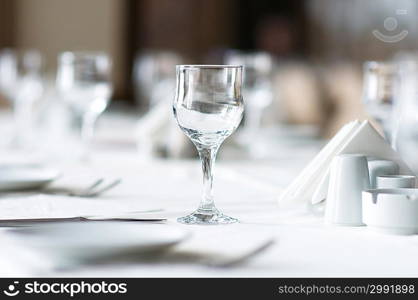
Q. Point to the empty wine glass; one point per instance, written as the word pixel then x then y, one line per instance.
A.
pixel 378 93
pixel 208 107
pixel 8 73
pixel 21 83
pixel 83 80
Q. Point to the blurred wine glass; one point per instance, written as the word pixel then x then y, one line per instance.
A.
pixel 406 111
pixel 8 73
pixel 154 84
pixel 84 82
pixel 378 93
pixel 21 83
pixel 154 77
pixel 208 107
pixel 257 90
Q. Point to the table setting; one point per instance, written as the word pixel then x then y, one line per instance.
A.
pixel 119 201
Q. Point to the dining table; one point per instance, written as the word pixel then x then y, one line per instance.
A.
pixel 245 188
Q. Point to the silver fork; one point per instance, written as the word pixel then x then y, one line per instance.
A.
pixel 97 190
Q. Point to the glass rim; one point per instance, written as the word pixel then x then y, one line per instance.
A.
pixel 209 66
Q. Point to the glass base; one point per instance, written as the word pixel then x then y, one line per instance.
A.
pixel 207 218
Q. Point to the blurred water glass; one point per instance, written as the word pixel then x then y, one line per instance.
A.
pixel 84 83
pixel 406 111
pixel 21 82
pixel 379 93
pixel 257 90
pixel 55 130
pixel 8 73
pixel 154 77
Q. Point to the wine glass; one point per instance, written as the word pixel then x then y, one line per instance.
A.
pixel 154 76
pixel 257 90
pixel 8 73
pixel 22 84
pixel 83 80
pixel 208 107
pixel 406 110
pixel 378 93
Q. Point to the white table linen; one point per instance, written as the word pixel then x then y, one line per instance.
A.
pixel 244 189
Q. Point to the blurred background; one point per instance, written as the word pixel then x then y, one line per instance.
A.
pixel 314 50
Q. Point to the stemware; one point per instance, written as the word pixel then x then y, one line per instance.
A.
pixel 22 84
pixel 83 81
pixel 257 89
pixel 378 93
pixel 208 107
pixel 8 73
pixel 406 119
pixel 154 76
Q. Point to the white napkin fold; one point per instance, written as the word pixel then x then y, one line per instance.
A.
pixel 157 131
pixel 354 137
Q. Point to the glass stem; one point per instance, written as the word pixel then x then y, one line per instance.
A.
pixel 254 121
pixel 22 119
pixel 87 132
pixel 207 157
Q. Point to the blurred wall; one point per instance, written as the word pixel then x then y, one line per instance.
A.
pixel 6 23
pixel 345 29
pixel 191 27
pixel 53 26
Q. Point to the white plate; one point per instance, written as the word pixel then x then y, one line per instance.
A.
pixel 25 177
pixel 87 240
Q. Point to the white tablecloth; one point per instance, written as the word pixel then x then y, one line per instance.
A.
pixel 244 189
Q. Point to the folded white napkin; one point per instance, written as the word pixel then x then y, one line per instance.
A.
pixel 354 137
pixel 158 132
